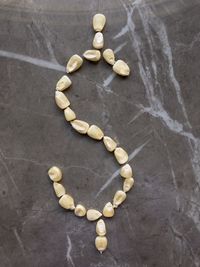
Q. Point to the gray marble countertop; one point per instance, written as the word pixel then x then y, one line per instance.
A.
pixel 154 114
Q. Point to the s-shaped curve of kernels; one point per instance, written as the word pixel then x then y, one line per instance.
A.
pixel 66 201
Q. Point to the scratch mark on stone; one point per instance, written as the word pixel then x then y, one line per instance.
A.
pixel 129 221
pixel 68 254
pixel 137 150
pixel 122 32
pixel 173 178
pixel 108 81
pixel 109 181
pixel 50 164
pixel 2 160
pixel 34 61
pixel 136 116
pixel 117 49
pixel 44 32
pixel 21 245
pixel 190 46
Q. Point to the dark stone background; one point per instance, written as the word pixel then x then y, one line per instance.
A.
pixel 154 114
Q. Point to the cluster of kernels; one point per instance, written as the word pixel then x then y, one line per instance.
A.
pixel 127 173
pixel 99 21
pixel 120 67
pixel 75 62
pixel 101 241
pixel 61 99
pixel 94 55
pixel 93 131
pixel 65 200
pixel 83 127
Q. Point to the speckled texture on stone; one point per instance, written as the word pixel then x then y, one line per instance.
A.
pixel 153 114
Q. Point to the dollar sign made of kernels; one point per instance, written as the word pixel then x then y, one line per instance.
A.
pixel 65 200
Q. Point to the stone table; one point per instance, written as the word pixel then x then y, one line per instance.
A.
pixel 154 114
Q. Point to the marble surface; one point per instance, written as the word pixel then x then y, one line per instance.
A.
pixel 154 114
